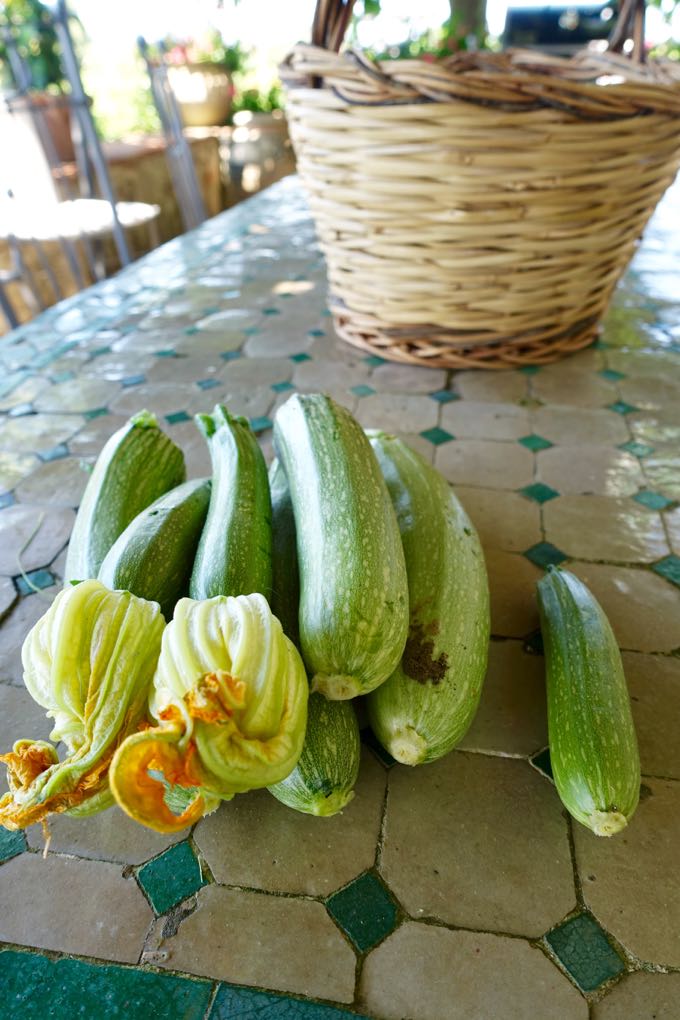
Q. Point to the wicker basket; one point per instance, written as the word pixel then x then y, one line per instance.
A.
pixel 479 211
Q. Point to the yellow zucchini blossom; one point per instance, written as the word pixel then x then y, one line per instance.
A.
pixel 89 661
pixel 230 700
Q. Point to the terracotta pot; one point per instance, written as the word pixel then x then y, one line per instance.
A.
pixel 57 119
pixel 204 93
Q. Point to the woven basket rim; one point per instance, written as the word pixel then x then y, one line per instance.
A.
pixel 588 84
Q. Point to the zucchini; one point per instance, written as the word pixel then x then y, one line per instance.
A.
pixel 593 747
pixel 136 466
pixel 429 701
pixel 154 555
pixel 353 591
pixel 322 782
pixel 285 598
pixel 234 555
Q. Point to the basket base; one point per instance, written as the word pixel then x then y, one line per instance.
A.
pixel 442 349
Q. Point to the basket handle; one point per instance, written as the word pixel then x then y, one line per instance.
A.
pixel 331 18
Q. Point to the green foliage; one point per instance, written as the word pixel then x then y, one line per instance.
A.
pixel 31 23
pixel 258 100
pixel 209 48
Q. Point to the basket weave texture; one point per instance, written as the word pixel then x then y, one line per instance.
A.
pixel 479 211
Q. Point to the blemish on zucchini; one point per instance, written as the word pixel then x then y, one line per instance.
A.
pixel 418 661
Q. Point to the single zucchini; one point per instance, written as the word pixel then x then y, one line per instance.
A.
pixel 322 782
pixel 234 555
pixel 285 600
pixel 353 589
pixel 136 466
pixel 593 747
pixel 429 701
pixel 154 556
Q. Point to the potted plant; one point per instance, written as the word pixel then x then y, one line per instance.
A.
pixel 30 22
pixel 201 75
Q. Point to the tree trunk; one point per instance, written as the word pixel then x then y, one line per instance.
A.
pixel 469 17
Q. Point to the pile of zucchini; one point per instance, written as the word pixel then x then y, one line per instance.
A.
pixel 376 574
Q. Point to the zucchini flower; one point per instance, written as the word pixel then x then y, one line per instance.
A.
pixel 89 661
pixel 230 698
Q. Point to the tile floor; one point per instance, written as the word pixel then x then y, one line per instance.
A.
pixel 459 891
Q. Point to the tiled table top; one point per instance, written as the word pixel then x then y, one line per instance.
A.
pixel 456 891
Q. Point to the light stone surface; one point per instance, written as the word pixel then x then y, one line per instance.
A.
pixel 76 395
pixel 617 530
pixel 511 718
pixel 470 419
pixel 14 467
pixel 75 906
pixel 560 384
pixel 473 867
pixel 574 425
pixel 504 520
pixel 654 686
pixel 494 387
pixel 37 433
pixel 427 973
pixel 486 463
pixel 107 836
pixel 256 841
pixel 52 527
pixel 161 398
pixel 273 941
pixel 394 378
pixel 512 588
pixel 602 470
pixel 641 997
pixel 15 627
pixel 394 412
pixel 630 881
pixel 643 609
pixel 8 595
pixel 57 483
pixel 672 519
pixel 20 717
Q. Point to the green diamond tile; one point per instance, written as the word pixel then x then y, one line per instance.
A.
pixel 369 738
pixel 34 579
pixel 582 948
pixel 97 352
pixel 364 910
pixel 11 843
pixel 60 377
pixel 539 492
pixel 669 568
pixel 535 443
pixel 191 330
pixel 251 331
pixel 208 384
pixel 611 375
pixel 133 380
pixel 637 449
pixel 35 988
pixel 231 355
pixel 326 313
pixel 362 390
pixel 176 417
pixel 56 453
pixel 167 353
pixel 541 761
pixel 53 354
pixel 444 396
pixel 374 360
pixel 545 554
pixel 621 407
pixel 97 412
pixel 600 345
pixel 170 878
pixel 234 1003
pixel 437 436
pixel 261 423
pixel 316 332
pixel 7 499
pixel 210 310
pixel 271 311
pixel 282 387
pixel 652 500
pixel 530 369
pixel 297 358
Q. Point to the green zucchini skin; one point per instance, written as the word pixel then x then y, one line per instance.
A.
pixel 153 558
pixel 285 600
pixel 429 701
pixel 322 782
pixel 593 746
pixel 353 589
pixel 136 466
pixel 234 555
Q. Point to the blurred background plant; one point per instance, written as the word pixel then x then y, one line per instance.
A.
pixel 31 23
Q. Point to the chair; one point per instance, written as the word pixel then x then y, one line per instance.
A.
pixel 180 162
pixel 33 210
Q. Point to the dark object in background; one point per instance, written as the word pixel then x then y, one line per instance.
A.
pixel 558 30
